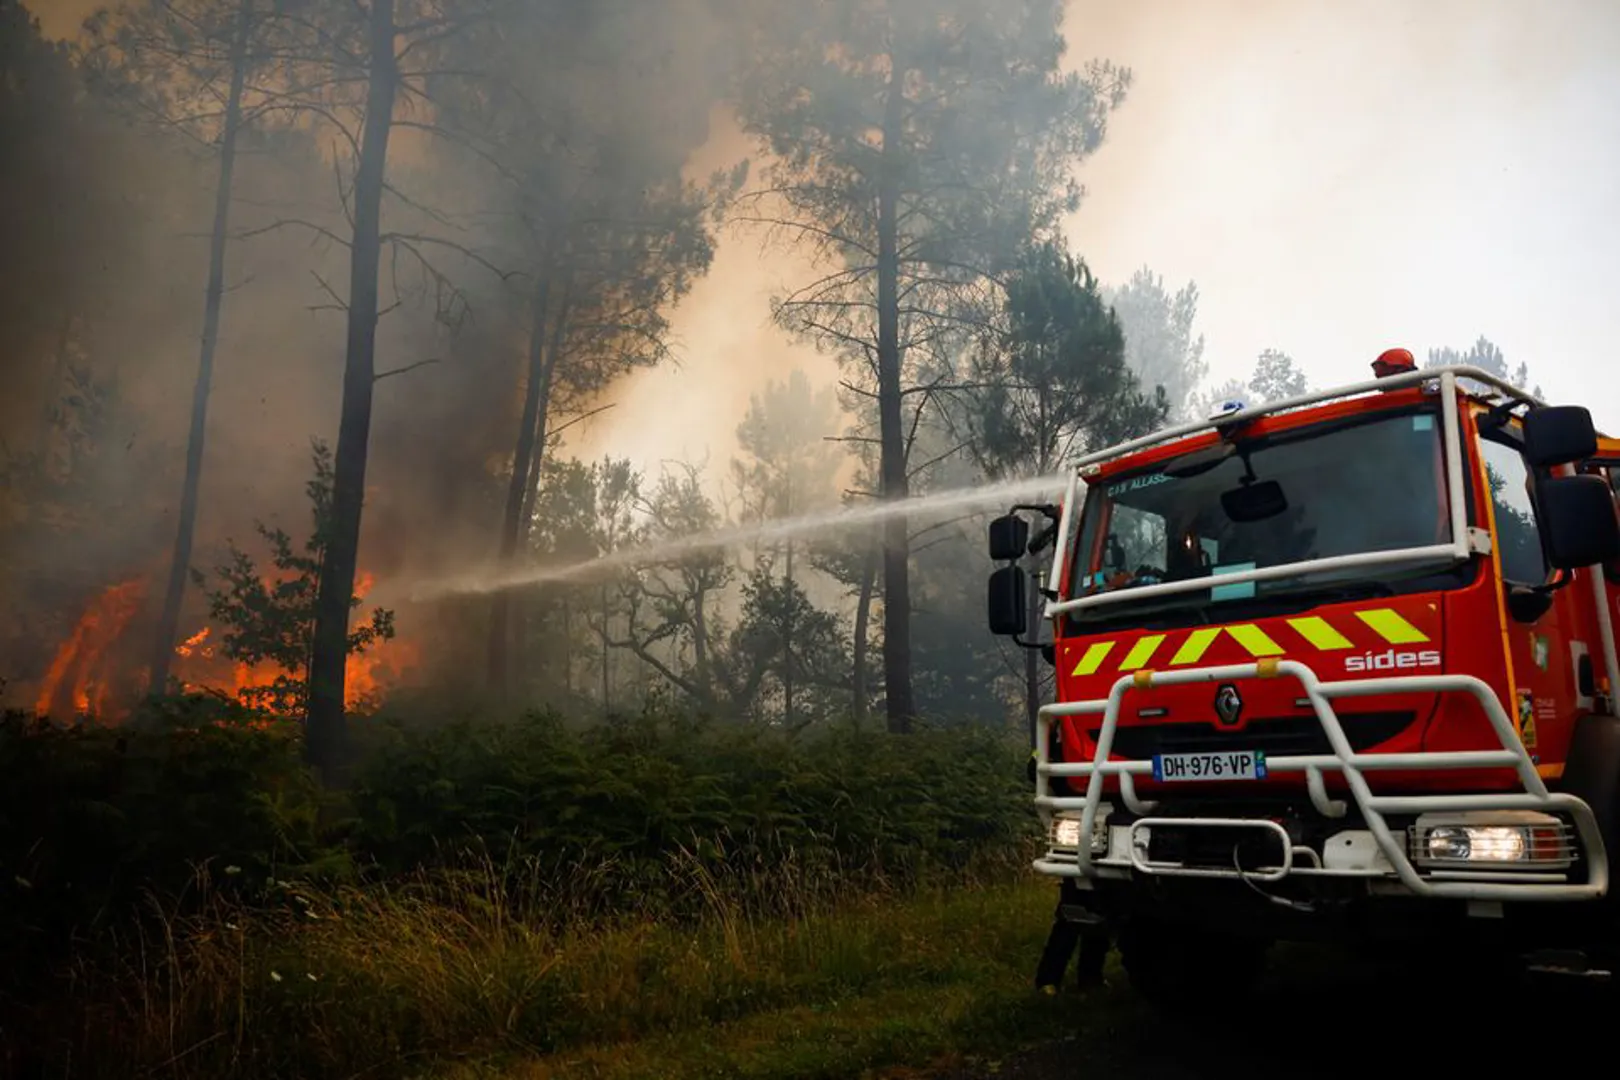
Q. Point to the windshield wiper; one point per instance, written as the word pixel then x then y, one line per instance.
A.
pixel 1327 593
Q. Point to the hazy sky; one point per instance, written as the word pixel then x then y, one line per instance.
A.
pixel 1337 176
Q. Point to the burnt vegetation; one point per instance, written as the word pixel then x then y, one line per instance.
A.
pixel 307 303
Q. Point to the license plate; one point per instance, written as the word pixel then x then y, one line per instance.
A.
pixel 1226 765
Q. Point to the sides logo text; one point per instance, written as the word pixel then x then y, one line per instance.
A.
pixel 1389 660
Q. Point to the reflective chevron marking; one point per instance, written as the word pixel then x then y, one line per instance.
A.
pixel 1314 632
pixel 1093 659
pixel 1142 652
pixel 1256 640
pixel 1320 633
pixel 1198 642
pixel 1391 627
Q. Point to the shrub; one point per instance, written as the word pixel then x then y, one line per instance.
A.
pixel 868 808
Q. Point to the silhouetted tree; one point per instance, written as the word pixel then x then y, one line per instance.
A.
pixel 1160 343
pixel 918 144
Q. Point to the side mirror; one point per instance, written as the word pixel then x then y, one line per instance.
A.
pixel 1527 605
pixel 1578 521
pixel 1009 538
pixel 1008 606
pixel 1254 502
pixel 1558 435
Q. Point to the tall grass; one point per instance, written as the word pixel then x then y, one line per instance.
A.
pixel 198 908
pixel 440 966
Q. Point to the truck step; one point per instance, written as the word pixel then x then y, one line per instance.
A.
pixel 1568 963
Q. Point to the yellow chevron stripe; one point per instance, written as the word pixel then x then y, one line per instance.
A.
pixel 1197 643
pixel 1141 652
pixel 1391 627
pixel 1320 633
pixel 1092 660
pixel 1255 640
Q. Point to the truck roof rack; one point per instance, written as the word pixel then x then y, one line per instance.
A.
pixel 1498 391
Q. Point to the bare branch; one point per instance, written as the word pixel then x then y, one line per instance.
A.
pixel 379 377
pixel 284 223
pixel 337 301
pixel 410 240
pixel 581 419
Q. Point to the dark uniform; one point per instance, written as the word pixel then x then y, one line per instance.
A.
pixel 1094 942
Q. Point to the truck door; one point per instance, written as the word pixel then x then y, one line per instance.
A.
pixel 1549 651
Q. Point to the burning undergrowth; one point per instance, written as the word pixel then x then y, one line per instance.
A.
pixel 99 672
pixel 253 648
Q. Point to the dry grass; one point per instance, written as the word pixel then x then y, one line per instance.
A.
pixel 481 973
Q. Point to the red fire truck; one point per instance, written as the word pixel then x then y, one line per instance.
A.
pixel 1339 667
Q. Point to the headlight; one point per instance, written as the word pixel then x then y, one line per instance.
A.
pixel 1066 832
pixel 1504 840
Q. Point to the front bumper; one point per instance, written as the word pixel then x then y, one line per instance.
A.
pixel 1565 859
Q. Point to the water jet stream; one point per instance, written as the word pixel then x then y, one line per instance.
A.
pixel 997 495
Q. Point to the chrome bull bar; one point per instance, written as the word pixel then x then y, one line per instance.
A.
pixel 1484 885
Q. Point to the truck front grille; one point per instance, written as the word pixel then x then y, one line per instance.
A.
pixel 1274 735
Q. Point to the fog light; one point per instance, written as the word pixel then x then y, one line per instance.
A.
pixel 1491 843
pixel 1066 832
pixel 1503 839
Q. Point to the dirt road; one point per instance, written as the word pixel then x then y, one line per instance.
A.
pixel 1321 1015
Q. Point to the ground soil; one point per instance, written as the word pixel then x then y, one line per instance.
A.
pixel 1322 1014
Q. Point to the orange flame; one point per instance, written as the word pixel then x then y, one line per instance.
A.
pixel 80 675
pixel 193 645
pixel 368 674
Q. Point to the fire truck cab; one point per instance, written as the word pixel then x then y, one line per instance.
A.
pixel 1339 667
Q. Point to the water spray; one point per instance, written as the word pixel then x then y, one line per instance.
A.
pixel 997 494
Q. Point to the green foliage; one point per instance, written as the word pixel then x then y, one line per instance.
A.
pixel 524 874
pixel 92 818
pixel 442 973
pixel 783 645
pixel 620 798
pixel 1054 381
pixel 275 621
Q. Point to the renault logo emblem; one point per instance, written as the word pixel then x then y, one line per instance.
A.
pixel 1228 704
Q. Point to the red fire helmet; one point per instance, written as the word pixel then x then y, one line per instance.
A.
pixel 1393 362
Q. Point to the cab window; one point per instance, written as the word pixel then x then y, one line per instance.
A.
pixel 1517 538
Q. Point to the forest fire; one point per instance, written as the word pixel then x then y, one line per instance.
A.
pixel 94 675
pixel 82 676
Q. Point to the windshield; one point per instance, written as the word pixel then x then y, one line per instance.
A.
pixel 1351 486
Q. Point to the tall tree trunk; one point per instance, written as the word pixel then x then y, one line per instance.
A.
pixel 900 704
pixel 327 736
pixel 787 644
pixel 169 619
pixel 863 622
pixel 500 615
pixel 53 389
pixel 700 642
pixel 559 334
pixel 567 648
pixel 607 706
pixel 523 601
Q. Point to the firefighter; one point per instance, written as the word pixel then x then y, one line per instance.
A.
pixel 1094 944
pixel 1393 362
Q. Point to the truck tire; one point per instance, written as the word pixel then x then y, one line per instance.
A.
pixel 1181 969
pixel 1592 772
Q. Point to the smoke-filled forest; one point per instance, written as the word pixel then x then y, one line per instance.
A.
pixel 369 709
